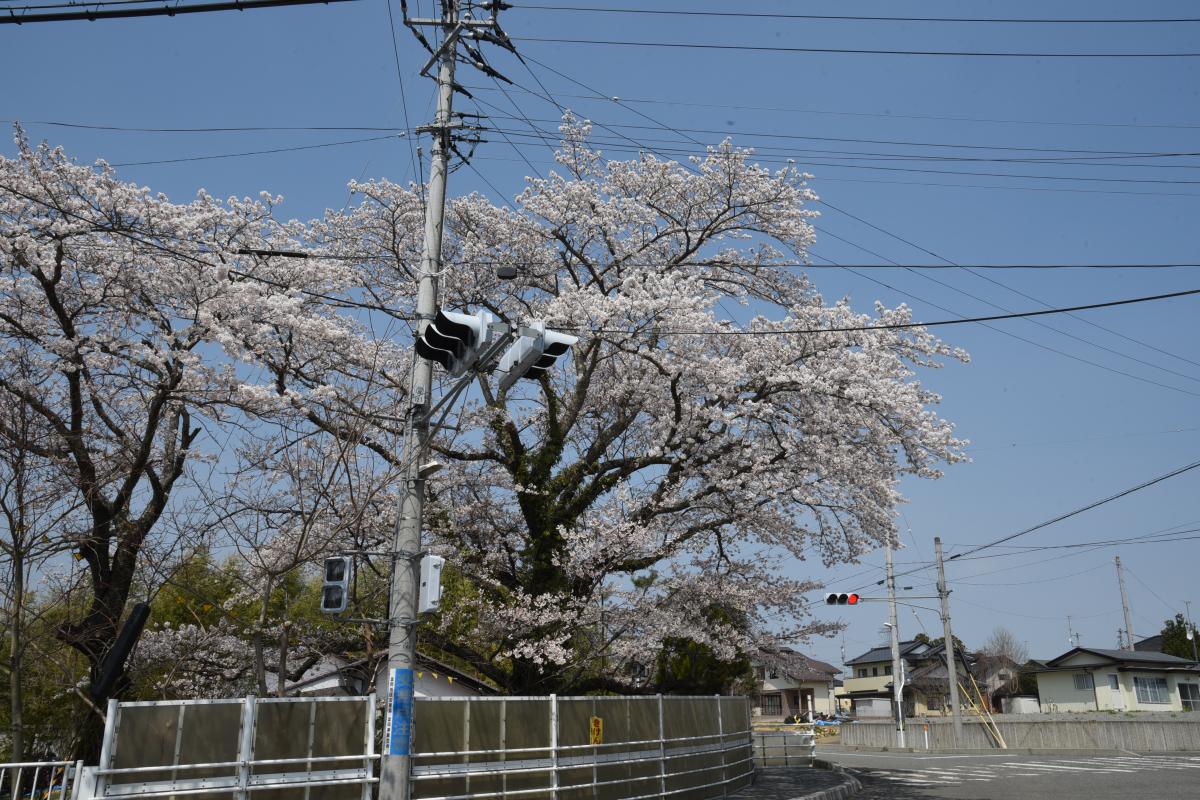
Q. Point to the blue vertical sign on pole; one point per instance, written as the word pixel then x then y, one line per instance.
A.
pixel 399 724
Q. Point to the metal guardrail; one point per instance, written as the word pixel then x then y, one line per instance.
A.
pixel 232 728
pixel 794 747
pixel 662 747
pixel 40 780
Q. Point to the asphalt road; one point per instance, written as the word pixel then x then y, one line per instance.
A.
pixel 904 776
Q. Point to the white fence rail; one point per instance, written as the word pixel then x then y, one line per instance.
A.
pixel 40 780
pixel 788 748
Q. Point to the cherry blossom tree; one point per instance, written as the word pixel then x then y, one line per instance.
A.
pixel 153 336
pixel 718 423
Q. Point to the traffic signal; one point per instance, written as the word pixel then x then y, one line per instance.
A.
pixel 454 340
pixel 844 599
pixel 335 589
pixel 533 354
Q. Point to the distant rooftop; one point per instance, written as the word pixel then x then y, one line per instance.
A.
pixel 885 653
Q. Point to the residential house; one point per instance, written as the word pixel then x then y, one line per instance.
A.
pixel 996 676
pixel 1090 679
pixel 793 683
pixel 868 689
pixel 432 678
pixel 1151 644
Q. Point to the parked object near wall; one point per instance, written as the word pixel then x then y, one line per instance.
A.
pixel 1020 704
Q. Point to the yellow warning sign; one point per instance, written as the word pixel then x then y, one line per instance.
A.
pixel 596 729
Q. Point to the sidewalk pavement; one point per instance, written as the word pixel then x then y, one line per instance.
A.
pixel 800 783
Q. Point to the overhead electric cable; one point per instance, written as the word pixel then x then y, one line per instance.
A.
pixel 662 101
pixel 933 324
pixel 1027 296
pixel 845 50
pixel 271 151
pixel 685 135
pixel 1076 512
pixel 1041 324
pixel 169 10
pixel 863 18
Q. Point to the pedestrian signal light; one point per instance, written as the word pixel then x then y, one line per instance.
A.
pixel 335 587
pixel 844 599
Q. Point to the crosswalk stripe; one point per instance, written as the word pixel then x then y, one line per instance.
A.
pixel 1062 767
pixel 1102 766
pixel 1150 763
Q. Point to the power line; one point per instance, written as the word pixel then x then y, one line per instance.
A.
pixel 1080 156
pixel 662 101
pixel 843 50
pixel 1026 295
pixel 934 324
pixel 685 135
pixel 251 152
pixel 1088 507
pixel 238 129
pixel 809 162
pixel 160 11
pixel 941 185
pixel 862 18
pixel 1010 334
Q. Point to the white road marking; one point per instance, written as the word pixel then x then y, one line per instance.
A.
pixel 1101 765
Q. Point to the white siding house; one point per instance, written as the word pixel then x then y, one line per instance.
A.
pixel 1088 679
pixel 793 683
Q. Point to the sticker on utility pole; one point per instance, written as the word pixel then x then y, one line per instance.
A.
pixel 398 733
pixel 596 729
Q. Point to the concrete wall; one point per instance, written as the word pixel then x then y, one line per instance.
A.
pixel 1094 732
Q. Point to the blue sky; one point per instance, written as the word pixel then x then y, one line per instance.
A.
pixel 1050 433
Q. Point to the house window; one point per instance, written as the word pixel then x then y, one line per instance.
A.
pixel 1151 690
pixel 1083 682
pixel 874 671
pixel 862 672
pixel 770 705
pixel 1189 694
pixel 887 670
pixel 772 673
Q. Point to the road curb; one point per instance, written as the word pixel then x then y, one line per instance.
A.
pixel 849 786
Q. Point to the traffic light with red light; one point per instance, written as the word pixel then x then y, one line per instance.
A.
pixel 844 599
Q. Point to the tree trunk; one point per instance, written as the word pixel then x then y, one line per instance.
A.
pixel 260 657
pixel 16 645
pixel 281 688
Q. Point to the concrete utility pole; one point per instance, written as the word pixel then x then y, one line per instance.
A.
pixel 1125 606
pixel 406 546
pixel 897 666
pixel 951 661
